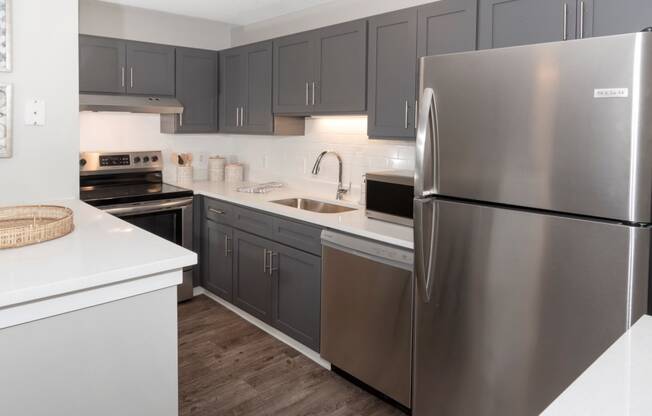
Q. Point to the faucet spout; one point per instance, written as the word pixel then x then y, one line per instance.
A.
pixel 341 190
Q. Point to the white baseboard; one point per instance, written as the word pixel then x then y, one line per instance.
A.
pixel 313 355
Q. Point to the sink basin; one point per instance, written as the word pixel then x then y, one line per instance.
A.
pixel 314 206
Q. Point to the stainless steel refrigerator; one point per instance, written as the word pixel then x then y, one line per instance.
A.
pixel 532 219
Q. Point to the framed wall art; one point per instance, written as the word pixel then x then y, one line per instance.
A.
pixel 5 35
pixel 5 120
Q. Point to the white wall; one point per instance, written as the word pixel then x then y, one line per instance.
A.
pixel 337 11
pixel 113 20
pixel 44 164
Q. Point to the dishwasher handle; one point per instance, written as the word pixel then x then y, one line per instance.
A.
pixel 372 250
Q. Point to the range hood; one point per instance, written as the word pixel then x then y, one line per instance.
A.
pixel 130 104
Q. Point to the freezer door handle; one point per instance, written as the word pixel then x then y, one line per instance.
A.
pixel 427 146
pixel 426 224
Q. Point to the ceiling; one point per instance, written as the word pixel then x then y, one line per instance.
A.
pixel 237 12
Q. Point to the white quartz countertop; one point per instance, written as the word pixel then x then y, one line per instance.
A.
pixel 102 250
pixel 617 383
pixel 352 222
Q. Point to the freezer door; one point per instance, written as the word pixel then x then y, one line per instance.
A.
pixel 518 305
pixel 565 126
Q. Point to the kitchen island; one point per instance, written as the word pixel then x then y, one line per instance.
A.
pixel 88 322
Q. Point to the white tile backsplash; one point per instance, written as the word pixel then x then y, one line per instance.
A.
pixel 288 159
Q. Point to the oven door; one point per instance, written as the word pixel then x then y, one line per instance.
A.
pixel 169 219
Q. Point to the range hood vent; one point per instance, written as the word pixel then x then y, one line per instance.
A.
pixel 130 104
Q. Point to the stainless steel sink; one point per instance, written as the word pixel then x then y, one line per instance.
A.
pixel 314 206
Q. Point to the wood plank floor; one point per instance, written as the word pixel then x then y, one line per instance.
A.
pixel 227 366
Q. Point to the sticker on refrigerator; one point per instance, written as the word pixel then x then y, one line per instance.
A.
pixel 611 93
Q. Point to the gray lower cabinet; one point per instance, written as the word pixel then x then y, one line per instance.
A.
pixel 392 76
pixel 218 259
pixel 196 88
pixel 150 69
pixel 322 71
pixel 268 266
pixel 102 65
pixel 609 17
pixel 252 283
pixel 503 23
pixel 296 294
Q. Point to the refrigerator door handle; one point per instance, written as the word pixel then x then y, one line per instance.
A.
pixel 425 246
pixel 427 146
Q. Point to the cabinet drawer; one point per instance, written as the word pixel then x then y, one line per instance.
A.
pixel 218 211
pixel 301 236
pixel 254 222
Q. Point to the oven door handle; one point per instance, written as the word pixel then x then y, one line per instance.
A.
pixel 147 207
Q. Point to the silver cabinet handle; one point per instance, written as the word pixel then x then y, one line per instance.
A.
pixel 237 116
pixel 565 26
pixel 270 265
pixel 313 93
pixel 227 251
pixel 123 76
pixel 265 260
pixel 180 119
pixel 307 94
pixel 416 113
pixel 131 76
pixel 242 116
pixel 405 121
pixel 582 19
pixel 216 211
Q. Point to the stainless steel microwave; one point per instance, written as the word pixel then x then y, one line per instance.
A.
pixel 389 196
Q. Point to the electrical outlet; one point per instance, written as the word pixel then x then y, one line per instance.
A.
pixel 35 112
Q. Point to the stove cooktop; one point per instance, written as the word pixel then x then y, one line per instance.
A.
pixel 102 195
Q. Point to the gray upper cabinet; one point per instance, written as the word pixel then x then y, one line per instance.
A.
pixel 102 65
pixel 150 69
pixel 217 259
pixel 447 26
pixel 321 71
pixel 251 280
pixel 296 294
pixel 196 88
pixel 257 111
pixel 503 23
pixel 392 74
pixel 293 74
pixel 340 81
pixel 232 89
pixel 612 17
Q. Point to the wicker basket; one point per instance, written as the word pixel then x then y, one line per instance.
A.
pixel 32 224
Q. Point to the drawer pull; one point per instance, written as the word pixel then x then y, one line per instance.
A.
pixel 216 211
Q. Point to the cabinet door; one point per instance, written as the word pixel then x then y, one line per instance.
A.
pixel 232 89
pixel 503 23
pixel 392 74
pixel 251 282
pixel 296 294
pixel 217 251
pixel 293 74
pixel 340 69
pixel 102 65
pixel 609 17
pixel 447 26
pixel 151 69
pixel 196 88
pixel 258 104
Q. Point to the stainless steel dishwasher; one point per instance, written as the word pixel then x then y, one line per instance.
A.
pixel 366 312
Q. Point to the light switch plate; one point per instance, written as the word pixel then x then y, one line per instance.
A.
pixel 35 112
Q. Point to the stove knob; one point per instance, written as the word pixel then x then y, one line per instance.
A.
pixel 154 158
pixel 82 162
pixel 137 159
pixel 146 159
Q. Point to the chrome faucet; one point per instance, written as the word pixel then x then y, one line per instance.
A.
pixel 341 190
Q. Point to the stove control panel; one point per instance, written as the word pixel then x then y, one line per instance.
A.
pixel 102 162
